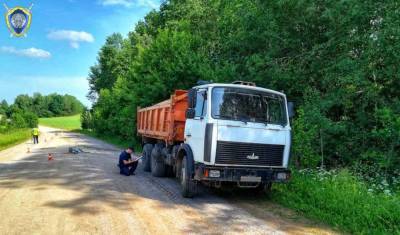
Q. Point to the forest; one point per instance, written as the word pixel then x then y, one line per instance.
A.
pixel 26 110
pixel 337 60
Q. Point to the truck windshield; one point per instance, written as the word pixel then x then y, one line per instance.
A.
pixel 248 106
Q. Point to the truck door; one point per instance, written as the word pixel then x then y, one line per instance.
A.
pixel 195 128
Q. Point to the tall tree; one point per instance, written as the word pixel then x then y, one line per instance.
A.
pixel 110 64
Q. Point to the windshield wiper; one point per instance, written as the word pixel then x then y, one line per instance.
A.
pixel 244 119
pixel 263 122
pixel 223 116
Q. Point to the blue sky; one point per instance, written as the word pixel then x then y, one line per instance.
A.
pixel 62 43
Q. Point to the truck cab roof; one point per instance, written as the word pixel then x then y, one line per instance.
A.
pixel 240 86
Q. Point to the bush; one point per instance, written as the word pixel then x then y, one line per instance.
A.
pixel 340 199
pixel 31 119
pixel 24 120
pixel 3 122
pixel 377 180
pixel 86 119
pixel 18 121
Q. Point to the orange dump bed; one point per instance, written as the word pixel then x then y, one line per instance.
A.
pixel 165 120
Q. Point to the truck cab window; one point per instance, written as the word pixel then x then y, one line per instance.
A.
pixel 248 105
pixel 201 104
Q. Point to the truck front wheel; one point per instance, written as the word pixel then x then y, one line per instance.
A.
pixel 146 161
pixel 264 188
pixel 158 167
pixel 189 187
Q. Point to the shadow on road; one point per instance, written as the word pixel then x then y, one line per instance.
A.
pixel 87 182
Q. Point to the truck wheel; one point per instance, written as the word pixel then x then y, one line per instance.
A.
pixel 189 187
pixel 146 160
pixel 157 162
pixel 264 188
pixel 169 171
pixel 268 188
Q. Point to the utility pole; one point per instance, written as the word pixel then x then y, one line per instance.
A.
pixel 322 148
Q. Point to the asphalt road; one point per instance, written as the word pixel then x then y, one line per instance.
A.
pixel 84 194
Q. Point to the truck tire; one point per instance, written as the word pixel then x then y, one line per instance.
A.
pixel 146 161
pixel 264 188
pixel 189 187
pixel 169 171
pixel 158 167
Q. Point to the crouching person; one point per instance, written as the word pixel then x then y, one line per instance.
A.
pixel 126 165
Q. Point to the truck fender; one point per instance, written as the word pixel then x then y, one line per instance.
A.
pixel 185 150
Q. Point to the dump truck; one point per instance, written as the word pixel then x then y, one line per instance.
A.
pixel 218 135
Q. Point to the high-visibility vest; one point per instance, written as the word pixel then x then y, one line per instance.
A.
pixel 35 131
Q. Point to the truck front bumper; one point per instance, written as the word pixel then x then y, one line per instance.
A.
pixel 241 174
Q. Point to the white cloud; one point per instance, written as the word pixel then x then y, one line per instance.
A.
pixel 73 37
pixel 129 3
pixel 29 52
pixel 148 3
pixel 126 3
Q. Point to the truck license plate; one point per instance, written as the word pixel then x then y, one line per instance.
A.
pixel 214 174
pixel 250 179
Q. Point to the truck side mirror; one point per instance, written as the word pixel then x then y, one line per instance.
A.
pixel 291 111
pixel 190 113
pixel 192 95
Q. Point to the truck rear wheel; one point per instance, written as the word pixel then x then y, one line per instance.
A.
pixel 189 187
pixel 169 171
pixel 158 167
pixel 146 160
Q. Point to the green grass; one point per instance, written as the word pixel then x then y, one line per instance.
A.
pixel 69 123
pixel 340 200
pixel 14 137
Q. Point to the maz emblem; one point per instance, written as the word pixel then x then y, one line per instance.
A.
pixel 253 157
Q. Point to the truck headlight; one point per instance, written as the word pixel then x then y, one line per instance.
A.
pixel 214 174
pixel 281 176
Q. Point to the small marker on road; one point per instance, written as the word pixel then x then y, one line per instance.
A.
pixel 50 157
pixel 28 150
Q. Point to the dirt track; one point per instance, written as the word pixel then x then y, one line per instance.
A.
pixel 84 194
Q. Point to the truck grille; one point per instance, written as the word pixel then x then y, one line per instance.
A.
pixel 236 153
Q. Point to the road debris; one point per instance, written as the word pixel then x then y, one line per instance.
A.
pixel 75 150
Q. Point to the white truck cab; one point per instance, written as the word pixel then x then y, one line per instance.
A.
pixel 238 133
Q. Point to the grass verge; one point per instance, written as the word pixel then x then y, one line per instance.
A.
pixel 13 137
pixel 340 200
pixel 69 123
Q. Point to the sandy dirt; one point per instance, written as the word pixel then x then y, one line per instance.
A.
pixel 84 194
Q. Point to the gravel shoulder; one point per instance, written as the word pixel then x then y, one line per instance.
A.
pixel 84 194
